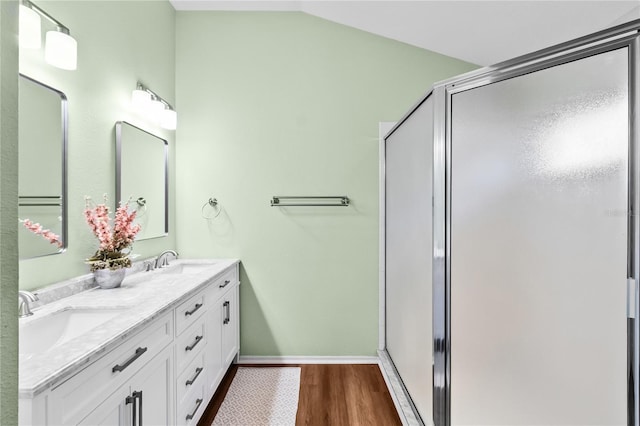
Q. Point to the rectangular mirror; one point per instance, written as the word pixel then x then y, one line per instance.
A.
pixel 142 177
pixel 42 135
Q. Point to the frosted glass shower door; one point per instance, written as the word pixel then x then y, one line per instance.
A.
pixel 539 189
pixel 408 165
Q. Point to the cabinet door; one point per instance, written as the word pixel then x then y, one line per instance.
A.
pixel 213 349
pixel 154 383
pixel 114 411
pixel 229 326
pixel 72 401
pixel 154 397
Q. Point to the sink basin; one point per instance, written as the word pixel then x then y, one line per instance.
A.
pixel 54 329
pixel 187 268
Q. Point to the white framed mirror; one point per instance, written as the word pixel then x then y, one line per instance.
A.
pixel 42 176
pixel 142 178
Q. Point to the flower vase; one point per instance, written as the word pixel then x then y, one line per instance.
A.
pixel 109 278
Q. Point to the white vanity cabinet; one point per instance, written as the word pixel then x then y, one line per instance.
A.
pixel 230 326
pixel 164 373
pixel 213 358
pixel 220 319
pixel 224 326
pixel 147 399
pixel 191 339
pixel 86 398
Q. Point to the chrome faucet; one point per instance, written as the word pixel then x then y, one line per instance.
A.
pixel 162 261
pixel 24 298
pixel 149 265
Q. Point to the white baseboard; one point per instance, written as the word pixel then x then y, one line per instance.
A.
pixel 244 359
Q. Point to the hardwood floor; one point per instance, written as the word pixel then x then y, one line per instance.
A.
pixel 330 395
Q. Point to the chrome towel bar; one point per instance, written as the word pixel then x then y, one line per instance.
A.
pixel 311 201
pixel 39 200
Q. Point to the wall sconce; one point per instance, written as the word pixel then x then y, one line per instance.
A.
pixel 147 102
pixel 60 49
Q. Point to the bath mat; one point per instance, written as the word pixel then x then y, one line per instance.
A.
pixel 261 396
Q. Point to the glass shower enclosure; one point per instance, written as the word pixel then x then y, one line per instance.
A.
pixel 512 240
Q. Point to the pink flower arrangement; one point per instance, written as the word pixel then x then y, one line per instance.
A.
pixel 37 229
pixel 113 239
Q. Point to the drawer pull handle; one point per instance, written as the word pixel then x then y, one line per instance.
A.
pixel 193 311
pixel 190 347
pixel 192 381
pixel 135 356
pixel 192 415
pixel 226 283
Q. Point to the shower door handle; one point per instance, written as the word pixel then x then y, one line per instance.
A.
pixel 632 297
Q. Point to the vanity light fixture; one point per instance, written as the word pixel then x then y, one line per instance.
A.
pixel 140 98
pixel 147 102
pixel 30 36
pixel 60 49
pixel 169 119
pixel 156 107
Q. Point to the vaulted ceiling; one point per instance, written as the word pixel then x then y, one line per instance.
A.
pixel 481 32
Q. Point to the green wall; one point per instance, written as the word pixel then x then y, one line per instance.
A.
pixel 289 104
pixel 269 104
pixel 119 43
pixel 8 213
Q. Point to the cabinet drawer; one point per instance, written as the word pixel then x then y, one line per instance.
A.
pixel 222 284
pixel 190 344
pixel 188 312
pixel 194 375
pixel 190 410
pixel 71 400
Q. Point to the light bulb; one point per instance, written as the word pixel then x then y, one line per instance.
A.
pixel 61 50
pixel 154 109
pixel 30 34
pixel 169 119
pixel 140 99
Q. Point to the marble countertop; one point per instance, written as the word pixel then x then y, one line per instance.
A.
pixel 144 296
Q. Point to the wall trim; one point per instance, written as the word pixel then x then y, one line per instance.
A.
pixel 248 359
